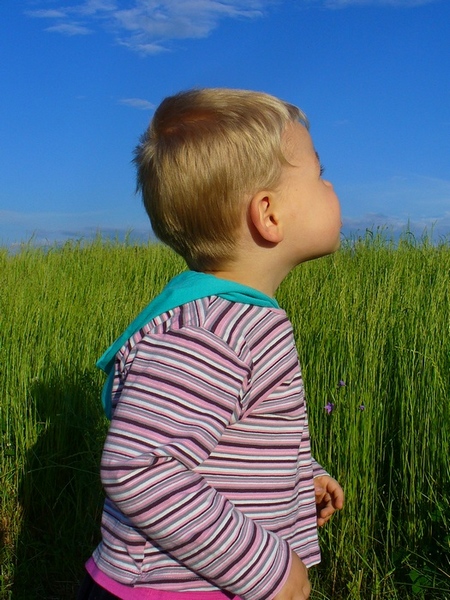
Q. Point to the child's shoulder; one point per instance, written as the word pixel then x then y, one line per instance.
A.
pixel 242 334
pixel 231 322
pixel 245 329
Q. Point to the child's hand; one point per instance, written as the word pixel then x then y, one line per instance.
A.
pixel 297 586
pixel 329 498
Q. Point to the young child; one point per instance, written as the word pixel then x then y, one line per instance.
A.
pixel 212 493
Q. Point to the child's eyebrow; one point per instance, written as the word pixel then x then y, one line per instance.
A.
pixel 317 156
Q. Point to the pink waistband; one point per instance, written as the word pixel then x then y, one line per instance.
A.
pixel 144 593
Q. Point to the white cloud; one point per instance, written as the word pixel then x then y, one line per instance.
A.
pixel 144 49
pixel 181 18
pixel 139 103
pixel 147 25
pixel 47 228
pixel 69 29
pixel 401 195
pixel 415 203
pixel 46 14
pixel 436 230
pixel 92 7
pixel 393 3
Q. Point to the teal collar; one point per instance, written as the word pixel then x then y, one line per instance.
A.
pixel 183 288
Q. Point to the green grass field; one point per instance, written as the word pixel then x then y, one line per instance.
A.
pixel 374 315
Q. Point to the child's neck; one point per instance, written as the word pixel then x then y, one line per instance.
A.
pixel 256 278
pixel 261 267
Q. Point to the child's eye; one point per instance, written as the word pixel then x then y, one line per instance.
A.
pixel 322 170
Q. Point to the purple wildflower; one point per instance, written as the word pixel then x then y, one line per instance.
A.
pixel 361 407
pixel 341 383
pixel 329 407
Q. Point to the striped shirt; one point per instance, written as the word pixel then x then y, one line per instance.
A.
pixel 207 464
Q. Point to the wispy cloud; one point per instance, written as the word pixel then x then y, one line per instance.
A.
pixel 146 26
pixel 70 29
pixel 436 229
pixel 393 3
pixel 401 195
pixel 410 202
pixel 46 14
pixel 139 103
pixel 43 228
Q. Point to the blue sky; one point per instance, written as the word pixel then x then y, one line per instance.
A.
pixel 80 80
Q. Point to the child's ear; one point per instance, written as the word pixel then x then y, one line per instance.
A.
pixel 264 217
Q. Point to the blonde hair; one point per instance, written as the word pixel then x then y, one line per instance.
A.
pixel 204 153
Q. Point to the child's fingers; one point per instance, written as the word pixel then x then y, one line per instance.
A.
pixel 336 493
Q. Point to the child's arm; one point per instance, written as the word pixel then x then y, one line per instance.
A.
pixel 297 586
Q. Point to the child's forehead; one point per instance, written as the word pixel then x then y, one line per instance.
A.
pixel 297 142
